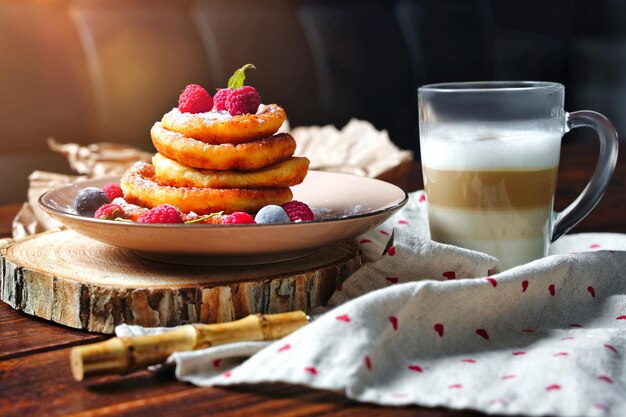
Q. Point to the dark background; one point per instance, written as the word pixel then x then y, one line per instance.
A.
pixel 88 71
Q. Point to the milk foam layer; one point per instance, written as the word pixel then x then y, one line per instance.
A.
pixel 525 150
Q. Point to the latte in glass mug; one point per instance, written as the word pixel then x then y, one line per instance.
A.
pixel 478 200
pixel 490 157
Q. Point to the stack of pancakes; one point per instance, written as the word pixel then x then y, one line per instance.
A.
pixel 211 162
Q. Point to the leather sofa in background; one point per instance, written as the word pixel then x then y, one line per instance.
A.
pixel 88 71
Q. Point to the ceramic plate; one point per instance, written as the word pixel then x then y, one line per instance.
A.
pixel 345 207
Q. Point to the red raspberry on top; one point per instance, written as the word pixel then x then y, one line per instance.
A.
pixel 298 211
pixel 163 213
pixel 110 212
pixel 243 100
pixel 219 99
pixel 195 99
pixel 113 191
pixel 238 217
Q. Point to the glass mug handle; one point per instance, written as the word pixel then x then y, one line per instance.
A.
pixel 587 200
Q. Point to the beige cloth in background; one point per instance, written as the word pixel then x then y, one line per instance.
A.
pixel 31 219
pixel 358 148
pixel 99 159
pixel 90 161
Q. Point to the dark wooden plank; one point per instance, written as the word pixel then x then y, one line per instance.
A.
pixel 265 400
pixel 22 334
pixel 41 384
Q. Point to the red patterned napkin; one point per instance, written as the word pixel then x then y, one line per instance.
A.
pixel 435 325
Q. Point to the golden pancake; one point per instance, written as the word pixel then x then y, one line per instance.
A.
pixel 141 187
pixel 220 127
pixel 283 174
pixel 243 157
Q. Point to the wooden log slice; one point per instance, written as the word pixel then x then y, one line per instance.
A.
pixel 76 281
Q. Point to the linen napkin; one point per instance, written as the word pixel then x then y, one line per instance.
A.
pixel 358 148
pixel 435 325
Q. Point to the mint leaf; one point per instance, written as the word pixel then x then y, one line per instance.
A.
pixel 203 218
pixel 239 77
pixel 121 219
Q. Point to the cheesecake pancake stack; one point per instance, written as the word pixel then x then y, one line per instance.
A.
pixel 214 161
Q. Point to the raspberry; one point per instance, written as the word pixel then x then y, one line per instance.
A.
pixel 113 191
pixel 298 211
pixel 243 100
pixel 161 214
pixel 195 99
pixel 110 212
pixel 238 217
pixel 219 99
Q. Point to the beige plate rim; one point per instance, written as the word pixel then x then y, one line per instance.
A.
pixel 322 229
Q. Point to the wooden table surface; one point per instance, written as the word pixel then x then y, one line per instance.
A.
pixel 35 377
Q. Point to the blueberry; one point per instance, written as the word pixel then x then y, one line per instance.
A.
pixel 88 200
pixel 271 215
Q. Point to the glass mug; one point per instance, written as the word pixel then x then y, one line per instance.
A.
pixel 490 156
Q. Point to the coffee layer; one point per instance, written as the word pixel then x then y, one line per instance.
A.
pixel 491 190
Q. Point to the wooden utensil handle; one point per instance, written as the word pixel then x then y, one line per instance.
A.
pixel 252 327
pixel 120 355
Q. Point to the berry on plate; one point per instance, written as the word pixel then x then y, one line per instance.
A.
pixel 272 214
pixel 195 99
pixel 243 100
pixel 163 213
pixel 113 191
pixel 298 211
pixel 88 200
pixel 238 217
pixel 110 212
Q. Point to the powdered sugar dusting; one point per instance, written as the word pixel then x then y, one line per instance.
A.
pixel 212 116
pixel 125 205
pixel 266 108
pixel 215 116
